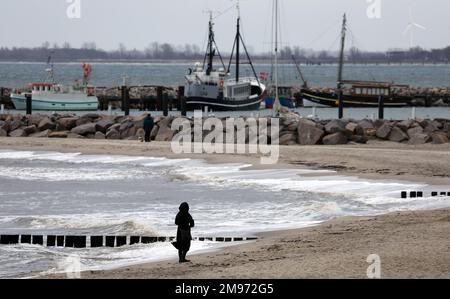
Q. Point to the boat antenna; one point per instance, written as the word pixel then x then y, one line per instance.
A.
pixel 341 55
pixel 212 47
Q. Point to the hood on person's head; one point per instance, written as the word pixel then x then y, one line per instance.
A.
pixel 184 207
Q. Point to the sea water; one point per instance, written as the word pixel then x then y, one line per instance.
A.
pixel 71 193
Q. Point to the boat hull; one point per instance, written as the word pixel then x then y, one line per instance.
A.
pixel 199 103
pixel 284 101
pixel 311 99
pixel 61 104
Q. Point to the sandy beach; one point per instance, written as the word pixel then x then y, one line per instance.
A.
pixel 410 244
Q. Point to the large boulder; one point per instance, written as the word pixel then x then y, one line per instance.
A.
pixel 308 133
pixel 67 123
pixel 3 133
pixel 335 126
pixel 130 132
pixel 18 133
pixel 85 129
pixel 103 125
pixel 60 134
pixel 35 119
pixel 397 135
pixel 43 134
pixel 354 129
pixel 415 131
pixel 439 138
pixel 384 131
pixel 14 125
pixel 4 125
pixel 287 139
pixel 74 136
pixel 334 139
pixel 82 121
pixel 30 130
pixel 431 127
pixel 99 135
pixel 140 133
pixel 164 134
pixel 358 139
pixel 113 134
pixel 154 132
pixel 368 128
pixel 419 138
pixel 406 124
pixel 46 124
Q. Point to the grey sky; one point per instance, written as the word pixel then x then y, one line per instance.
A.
pixel 306 23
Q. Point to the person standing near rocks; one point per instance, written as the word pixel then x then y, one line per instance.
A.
pixel 149 123
pixel 185 222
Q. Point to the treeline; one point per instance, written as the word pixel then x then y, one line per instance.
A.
pixel 165 51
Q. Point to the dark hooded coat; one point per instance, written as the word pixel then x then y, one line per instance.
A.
pixel 185 223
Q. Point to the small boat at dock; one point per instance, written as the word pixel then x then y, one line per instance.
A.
pixel 55 97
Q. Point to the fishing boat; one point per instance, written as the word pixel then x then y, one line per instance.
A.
pixel 354 93
pixel 217 89
pixel 50 96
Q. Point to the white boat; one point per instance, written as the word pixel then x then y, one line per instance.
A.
pixel 55 97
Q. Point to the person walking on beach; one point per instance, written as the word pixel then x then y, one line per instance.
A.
pixel 149 123
pixel 185 222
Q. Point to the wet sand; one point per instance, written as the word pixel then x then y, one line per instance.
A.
pixel 410 244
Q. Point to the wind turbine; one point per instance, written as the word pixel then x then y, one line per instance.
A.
pixel 412 25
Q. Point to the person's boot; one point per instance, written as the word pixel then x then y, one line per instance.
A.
pixel 184 257
pixel 180 256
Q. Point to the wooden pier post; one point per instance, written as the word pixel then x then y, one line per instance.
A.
pixel 159 97
pixel 380 107
pixel 165 104
pixel 181 101
pixel 126 100
pixel 29 103
pixel 341 104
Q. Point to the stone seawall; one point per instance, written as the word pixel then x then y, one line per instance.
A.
pixel 294 130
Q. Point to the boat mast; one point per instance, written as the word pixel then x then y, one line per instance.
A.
pixel 238 34
pixel 236 46
pixel 277 98
pixel 341 56
pixel 212 48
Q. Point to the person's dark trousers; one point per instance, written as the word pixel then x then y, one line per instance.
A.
pixel 147 136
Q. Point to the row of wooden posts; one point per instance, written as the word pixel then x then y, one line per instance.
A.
pixel 125 98
pixel 420 194
pixel 341 106
pixel 102 241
